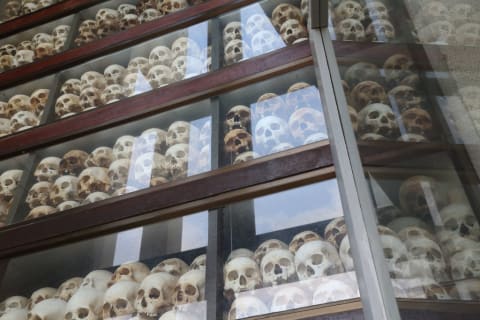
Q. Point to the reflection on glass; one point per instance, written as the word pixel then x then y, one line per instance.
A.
pixel 144 272
pixel 291 261
pixel 154 64
pixel 14 9
pixel 283 115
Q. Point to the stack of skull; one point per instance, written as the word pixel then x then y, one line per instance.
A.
pixel 9 181
pixel 22 112
pixel 371 22
pixel 16 8
pixel 170 290
pixel 78 178
pixel 260 34
pixel 40 46
pixel 163 66
pixel 389 107
pixel 278 123
pixel 108 21
pixel 310 261
pixel 446 22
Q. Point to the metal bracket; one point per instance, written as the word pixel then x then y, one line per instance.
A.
pixel 318 13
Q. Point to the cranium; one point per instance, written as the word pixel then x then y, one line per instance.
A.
pixel 302 95
pixel 262 42
pixel 180 132
pixel 380 31
pixel 190 288
pixel 266 246
pixel 24 57
pixel 396 255
pixel 128 21
pixel 48 169
pixel 233 30
pixel 7 62
pixel 149 15
pixel 237 50
pixel 404 97
pixel 45 3
pixel 241 274
pixel 88 26
pixel 61 31
pixel 199 263
pixel 73 162
pixel 111 93
pixel 258 22
pixel 39 194
pixel 25 45
pixel 67 205
pixel 184 67
pixel 100 157
pixel 108 21
pixel 12 9
pixel 44 49
pixel 270 104
pixel 17 103
pixel 85 304
pixel 333 290
pixel 148 166
pixel 68 288
pixel 152 140
pixel 9 49
pixel 169 6
pixel 184 46
pixel 317 259
pixel 72 86
pixel 48 309
pixel 362 71
pixel 293 30
pixel 376 10
pixel 174 266
pixel 237 141
pixel 41 295
pixel 126 8
pixel 177 160
pixel 160 55
pixel 270 131
pixel 458 221
pixel 350 30
pixel 139 64
pixel 118 173
pixel 9 181
pixel 85 37
pixel 67 103
pixel 38 100
pixel 277 267
pixel 440 32
pixel 154 296
pixel 304 122
pixel 123 147
pixel 14 303
pixel 335 231
pixel 119 299
pixel 30 7
pixel 41 38
pixel 246 306
pixel 378 118
pixel 284 12
pixel 417 121
pixel 114 74
pixel 398 68
pixel 301 238
pixel 23 120
pixel 368 92
pixel 64 189
pixel 130 271
pixel 92 79
pixel 97 279
pixel 349 10
pixel 160 75
pixel 426 259
pixel 93 179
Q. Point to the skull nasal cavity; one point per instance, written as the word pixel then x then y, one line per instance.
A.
pixel 278 269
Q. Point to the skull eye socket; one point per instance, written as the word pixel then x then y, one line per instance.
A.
pixel 284 262
pixel 250 272
pixel 260 132
pixel 268 268
pixel 68 316
pixel 233 275
pixel 190 290
pixel 317 259
pixel 388 252
pixel 180 154
pixel 154 293
pixel 451 224
pixel 121 304
pixel 373 115
pixel 64 185
pixel 83 313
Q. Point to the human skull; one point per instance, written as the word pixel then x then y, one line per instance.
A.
pixel 85 304
pixel 67 205
pixel 199 263
pixel 119 299
pixel 118 173
pixel 61 31
pixel 44 49
pixel 396 255
pixel 128 21
pixel 368 92
pixel 160 55
pixel 130 271
pixel 14 303
pixel 262 42
pixel 246 306
pixel 240 252
pixel 290 297
pixel 97 279
pixel 148 166
pixel 233 30
pixel 270 131
pixel 349 10
pixel 24 45
pixel 92 79
pixel 17 103
pixel 48 169
pixel 93 179
pixel 350 30
pixel 160 76
pixel 126 8
pixel 8 49
pixel 88 26
pixel 293 30
pixel 317 259
pixel 38 100
pixel 459 221
pixel 266 246
pixel 177 157
pixel 184 67
pixel 418 193
pixel 270 104
pixel 71 86
pixel 362 71
pixel 24 57
pixel 42 38
pixel 38 194
pixel 85 37
pixel 301 95
pixel 180 132
pixel 45 3
pixel 100 157
pixel 440 32
pixel 237 50
pixel 68 288
pixel 184 46
pixel 23 120
pixel 138 64
pixel 152 140
pixel 237 141
pixel 9 181
pixel 301 238
pixel 333 290
pixel 67 103
pixel 73 162
pixel 398 68
pixel 53 309
pixel 30 7
pixel 335 231
pixel 41 295
pixel 376 10
pixel 190 288
pixel 378 118
pixel 284 12
pixel 380 31
pixel 110 94
pixel 277 267
pixel 169 6
pixel 149 15
pixel 241 274
pixel 426 259
pixel 404 97
pixel 7 62
pixel 154 296
pixel 123 147
pixel 114 74
pixel 174 266
pixel 108 21
pixel 258 22
pixel 417 121
pixel 304 122
pixel 12 9
pixel 64 189
pixel 39 212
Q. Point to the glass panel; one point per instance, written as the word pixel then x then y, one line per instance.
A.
pixel 413 106
pixel 271 116
pixel 145 271
pixel 131 157
pixel 262 27
pixel 283 252
pixel 12 9
pixel 36 43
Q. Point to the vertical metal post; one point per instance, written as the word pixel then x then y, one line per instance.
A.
pixel 376 290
